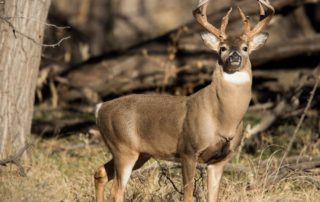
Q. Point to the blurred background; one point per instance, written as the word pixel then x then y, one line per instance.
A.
pixel 120 47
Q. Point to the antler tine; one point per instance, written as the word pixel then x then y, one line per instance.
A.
pixel 262 23
pixel 246 22
pixel 262 13
pixel 224 23
pixel 201 18
pixel 204 9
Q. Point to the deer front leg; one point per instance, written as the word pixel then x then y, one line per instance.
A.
pixel 215 172
pixel 188 164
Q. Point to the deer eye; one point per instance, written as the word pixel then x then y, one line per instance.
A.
pixel 245 49
pixel 223 49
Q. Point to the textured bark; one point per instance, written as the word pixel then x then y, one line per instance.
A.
pixel 19 63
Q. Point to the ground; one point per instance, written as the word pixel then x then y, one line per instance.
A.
pixel 68 175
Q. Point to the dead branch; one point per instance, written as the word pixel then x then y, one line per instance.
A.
pixel 261 107
pixel 276 175
pixel 287 49
pixel 44 23
pixel 315 183
pixel 168 178
pixel 174 165
pixel 14 159
pixel 265 179
pixel 82 109
pixel 283 105
pixel 289 160
pixel 115 76
pixel 300 121
pixel 304 165
pixel 54 127
pixel 268 119
pixel 30 38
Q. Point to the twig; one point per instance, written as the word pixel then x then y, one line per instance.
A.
pixel 314 182
pixel 174 165
pixel 290 160
pixel 168 178
pixel 13 159
pixel 299 124
pixel 195 184
pixel 47 24
pixel 30 38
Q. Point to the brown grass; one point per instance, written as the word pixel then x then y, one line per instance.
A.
pixel 68 176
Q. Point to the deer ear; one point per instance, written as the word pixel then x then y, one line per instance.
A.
pixel 211 41
pixel 258 41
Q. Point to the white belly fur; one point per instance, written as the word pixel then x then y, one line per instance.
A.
pixel 236 77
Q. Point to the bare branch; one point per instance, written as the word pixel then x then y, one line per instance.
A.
pixel 279 109
pixel 175 165
pixel 32 19
pixel 14 158
pixel 289 160
pixel 168 178
pixel 314 182
pixel 261 107
pixel 30 38
pixel 300 122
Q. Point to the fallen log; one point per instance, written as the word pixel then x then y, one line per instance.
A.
pixel 57 127
pixel 140 73
pixel 283 105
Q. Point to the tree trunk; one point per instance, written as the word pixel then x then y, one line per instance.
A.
pixel 19 64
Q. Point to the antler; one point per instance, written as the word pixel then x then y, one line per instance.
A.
pixel 264 20
pixel 200 15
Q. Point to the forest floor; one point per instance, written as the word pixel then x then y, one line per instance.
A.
pixel 68 175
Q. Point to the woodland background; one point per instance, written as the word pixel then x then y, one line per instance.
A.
pixel 120 47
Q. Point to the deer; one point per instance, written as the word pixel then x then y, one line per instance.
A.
pixel 205 127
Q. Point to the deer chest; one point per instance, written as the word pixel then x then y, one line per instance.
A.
pixel 215 153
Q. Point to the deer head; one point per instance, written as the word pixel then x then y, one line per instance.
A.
pixel 234 51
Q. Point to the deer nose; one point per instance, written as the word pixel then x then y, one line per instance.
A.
pixel 235 57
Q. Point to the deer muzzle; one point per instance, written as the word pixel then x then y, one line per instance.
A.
pixel 235 59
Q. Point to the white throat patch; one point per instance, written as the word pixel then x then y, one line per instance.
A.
pixel 237 77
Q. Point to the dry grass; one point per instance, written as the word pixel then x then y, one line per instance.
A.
pixel 68 176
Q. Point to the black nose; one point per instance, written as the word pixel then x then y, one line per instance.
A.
pixel 235 57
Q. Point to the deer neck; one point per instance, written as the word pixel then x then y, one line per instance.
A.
pixel 228 96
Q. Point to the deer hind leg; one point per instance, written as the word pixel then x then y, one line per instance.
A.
pixel 102 175
pixel 123 165
pixel 105 173
pixel 188 164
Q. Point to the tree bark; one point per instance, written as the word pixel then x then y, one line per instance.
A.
pixel 19 64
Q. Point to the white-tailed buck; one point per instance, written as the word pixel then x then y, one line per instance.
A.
pixel 205 127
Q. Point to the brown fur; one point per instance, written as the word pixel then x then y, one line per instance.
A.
pixel 205 127
pixel 234 41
